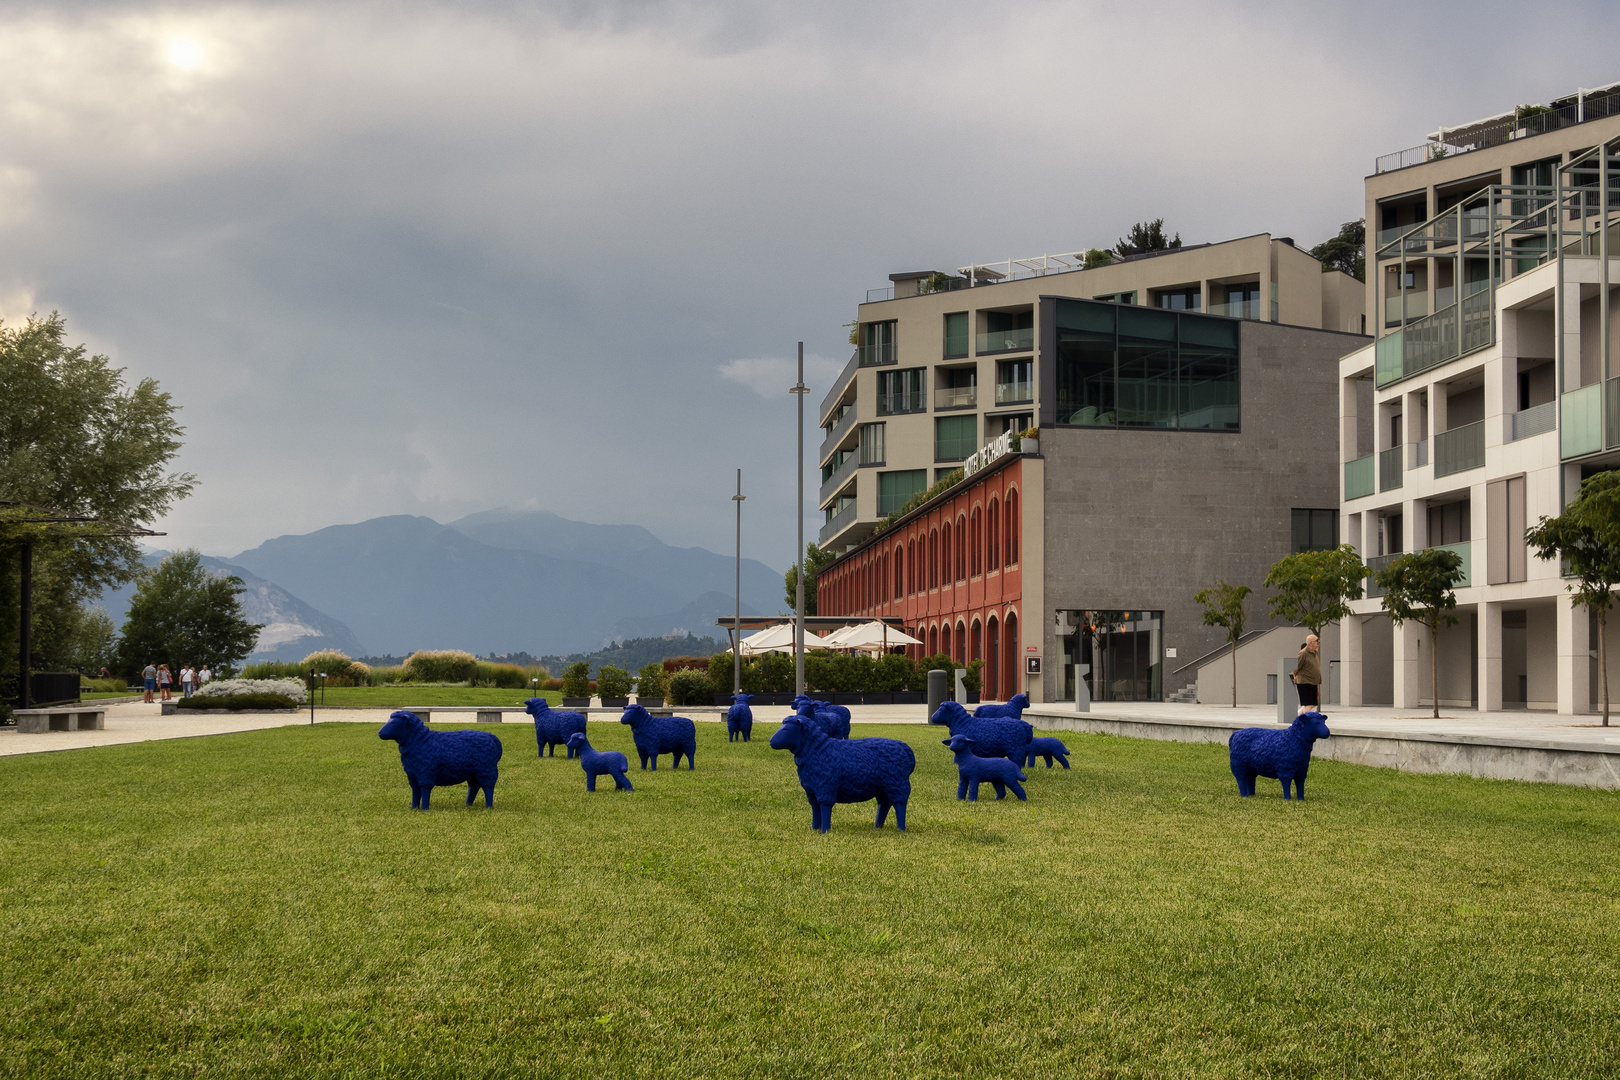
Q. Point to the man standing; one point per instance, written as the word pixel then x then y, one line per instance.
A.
pixel 1308 675
pixel 204 675
pixel 149 676
pixel 188 680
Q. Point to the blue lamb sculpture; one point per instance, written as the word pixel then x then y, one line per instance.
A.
pixel 599 763
pixel 1282 755
pixel 830 718
pixel 553 726
pixel 740 719
pixel 1013 709
pixel 999 773
pixel 847 771
pixel 992 736
pixel 656 735
pixel 440 758
pixel 1047 748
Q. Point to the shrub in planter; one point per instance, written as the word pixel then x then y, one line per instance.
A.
pixel 651 682
pixel 688 687
pixel 720 671
pixel 444 666
pixel 257 702
pixel 775 673
pixel 682 663
pixel 893 671
pixel 211 693
pixel 973 681
pixel 613 683
pixel 576 680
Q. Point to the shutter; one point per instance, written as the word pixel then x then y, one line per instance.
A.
pixel 1515 530
pixel 1497 532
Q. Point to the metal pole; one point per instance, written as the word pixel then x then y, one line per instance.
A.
pixel 736 618
pixel 798 510
pixel 25 638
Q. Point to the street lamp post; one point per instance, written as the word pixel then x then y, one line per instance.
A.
pixel 736 618
pixel 798 510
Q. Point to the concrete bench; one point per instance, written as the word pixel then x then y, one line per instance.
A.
pixel 68 718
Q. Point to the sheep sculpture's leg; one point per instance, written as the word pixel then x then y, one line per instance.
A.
pixel 621 781
pixel 1001 789
pixel 472 791
pixel 691 760
pixel 1062 759
pixel 961 786
pixel 815 810
pixel 590 781
pixel 973 791
pixel 1245 779
pixel 643 755
pixel 427 794
pixel 883 811
pixel 416 793
pixel 900 815
pixel 748 733
pixel 1018 790
pixel 826 817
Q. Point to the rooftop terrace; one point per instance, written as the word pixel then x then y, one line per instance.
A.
pixel 1520 123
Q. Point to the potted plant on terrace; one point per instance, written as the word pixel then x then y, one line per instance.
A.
pixel 613 683
pixel 973 682
pixel 576 686
pixel 651 685
pixel 1029 441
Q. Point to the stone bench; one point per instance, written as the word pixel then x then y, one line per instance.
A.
pixel 68 718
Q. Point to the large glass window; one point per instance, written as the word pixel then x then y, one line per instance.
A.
pixel 901 392
pixel 895 489
pixel 1315 530
pixel 1014 381
pixel 1145 367
pixel 877 343
pixel 956 334
pixel 871 444
pixel 1123 649
pixel 955 437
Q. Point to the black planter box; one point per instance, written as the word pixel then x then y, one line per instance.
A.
pixel 843 698
pixel 973 697
pixel 576 702
pixel 650 702
pixel 615 702
pixel 723 699
pixel 58 687
pixel 877 697
pixel 910 697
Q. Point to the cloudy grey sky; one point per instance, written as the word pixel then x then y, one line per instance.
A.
pixel 436 258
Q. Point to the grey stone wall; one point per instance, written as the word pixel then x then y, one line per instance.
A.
pixel 1144 519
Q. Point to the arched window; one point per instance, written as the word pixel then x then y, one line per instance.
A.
pixel 961 547
pixel 945 640
pixel 961 643
pixel 993 534
pixel 899 572
pixel 1012 527
pixel 978 641
pixel 933 558
pixel 945 549
pixel 911 567
pixel 975 543
pixel 992 662
pixel 933 640
pixel 1011 653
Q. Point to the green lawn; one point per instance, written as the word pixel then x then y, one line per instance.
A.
pixel 393 697
pixel 265 904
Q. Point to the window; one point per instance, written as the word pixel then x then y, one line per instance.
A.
pixel 901 392
pixel 975 544
pixel 933 557
pixel 945 549
pixel 1002 423
pixel 896 488
pixel 1145 368
pixel 992 531
pixel 899 572
pixel 1118 298
pixel 871 444
pixel 1014 381
pixel 1449 523
pixel 1012 528
pixel 961 547
pixel 956 334
pixel 1315 530
pixel 954 437
pixel 959 388
pixel 1179 299
pixel 877 343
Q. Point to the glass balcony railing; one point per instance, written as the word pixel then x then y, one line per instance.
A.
pixel 1389 469
pixel 1007 341
pixel 838 430
pixel 837 475
pixel 1359 477
pixel 1009 393
pixel 1415 304
pixel 1536 420
pixel 838 520
pixel 1420 455
pixel 956 397
pixel 1582 430
pixel 1237 309
pixel 877 355
pixel 1459 449
pixel 908 401
pixel 1435 339
pixel 1375 564
pixel 1464 550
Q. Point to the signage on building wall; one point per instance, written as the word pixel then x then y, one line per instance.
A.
pixel 1032 665
pixel 993 450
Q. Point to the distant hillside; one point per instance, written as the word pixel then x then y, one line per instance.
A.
pixel 633 654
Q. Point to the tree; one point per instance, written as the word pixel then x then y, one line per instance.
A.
pixel 1347 251
pixel 1223 607
pixel 1146 236
pixel 76 440
pixel 815 561
pixel 183 614
pixel 1096 257
pixel 1313 588
pixel 1586 536
pixel 1420 586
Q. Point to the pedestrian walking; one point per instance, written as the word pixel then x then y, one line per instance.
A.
pixel 165 681
pixel 204 675
pixel 149 676
pixel 188 680
pixel 1308 675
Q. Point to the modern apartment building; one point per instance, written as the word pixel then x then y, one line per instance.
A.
pixel 947 362
pixel 1488 395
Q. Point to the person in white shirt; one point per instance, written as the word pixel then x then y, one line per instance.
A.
pixel 188 680
pixel 204 675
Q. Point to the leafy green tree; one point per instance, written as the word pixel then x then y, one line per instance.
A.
pixel 1096 257
pixel 1223 607
pixel 1146 236
pixel 651 681
pixel 1347 251
pixel 1313 588
pixel 1421 586
pixel 1586 536
pixel 182 613
pixel 815 561
pixel 77 440
pixel 576 680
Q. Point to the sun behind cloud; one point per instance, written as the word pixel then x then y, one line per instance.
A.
pixel 185 53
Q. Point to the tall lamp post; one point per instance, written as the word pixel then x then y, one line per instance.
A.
pixel 736 618
pixel 798 509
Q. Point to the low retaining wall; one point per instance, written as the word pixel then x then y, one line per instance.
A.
pixel 1492 758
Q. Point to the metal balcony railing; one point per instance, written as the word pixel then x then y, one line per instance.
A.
pixel 876 355
pixel 1536 420
pixel 840 384
pixel 839 433
pixel 1465 550
pixel 836 524
pixel 1389 469
pixel 1459 449
pixel 1000 341
pixel 840 476
pixel 1359 477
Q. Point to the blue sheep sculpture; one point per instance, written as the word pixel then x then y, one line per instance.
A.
pixel 972 770
pixel 847 771
pixel 1282 755
pixel 656 735
pixel 992 736
pixel 440 758
pixel 1047 748
pixel 599 763
pixel 740 719
pixel 832 719
pixel 552 727
pixel 1012 709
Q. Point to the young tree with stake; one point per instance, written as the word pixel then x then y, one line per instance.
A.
pixel 1313 588
pixel 1223 607
pixel 1421 586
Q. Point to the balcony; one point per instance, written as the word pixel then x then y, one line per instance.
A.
pixel 841 429
pixel 1414 304
pixel 956 397
pixel 1389 469
pixel 840 384
pixel 1358 478
pixel 1465 550
pixel 1237 309
pixel 839 477
pixel 1420 455
pixel 876 355
pixel 1536 420
pixel 1015 393
pixel 1582 431
pixel 1459 449
pixel 1375 564
pixel 1435 339
pixel 906 401
pixel 1001 341
pixel 836 524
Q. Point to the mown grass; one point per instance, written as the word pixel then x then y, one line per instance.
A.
pixel 264 904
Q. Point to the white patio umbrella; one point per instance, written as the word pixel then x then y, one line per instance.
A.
pixel 873 636
pixel 778 638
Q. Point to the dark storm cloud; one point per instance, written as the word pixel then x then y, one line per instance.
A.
pixel 434 258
